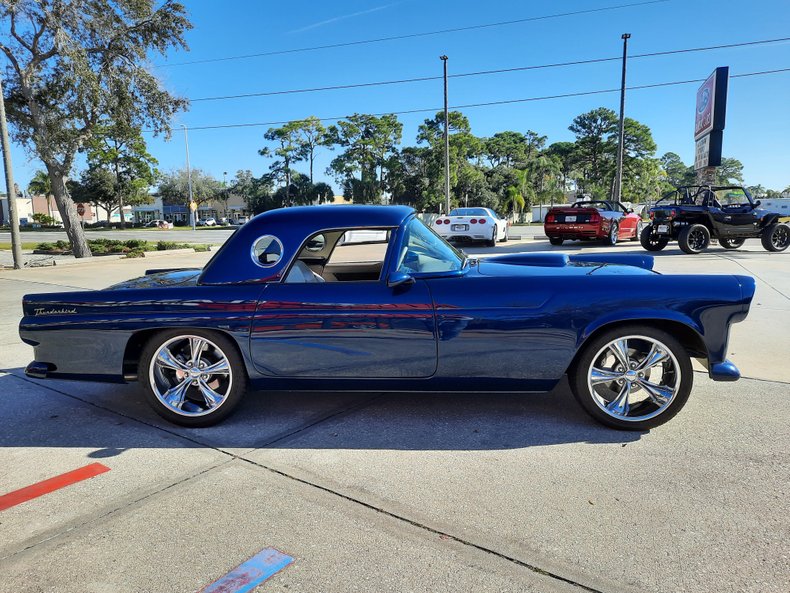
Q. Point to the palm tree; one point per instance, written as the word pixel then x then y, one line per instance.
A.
pixel 514 201
pixel 41 185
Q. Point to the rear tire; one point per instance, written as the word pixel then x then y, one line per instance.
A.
pixel 776 237
pixel 694 238
pixel 731 243
pixel 177 392
pixel 556 241
pixel 632 377
pixel 492 241
pixel 652 241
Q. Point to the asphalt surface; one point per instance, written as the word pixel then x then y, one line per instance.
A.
pixel 404 492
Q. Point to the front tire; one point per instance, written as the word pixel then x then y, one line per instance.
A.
pixel 556 241
pixel 652 241
pixel 638 231
pixel 694 238
pixel 776 237
pixel 632 377
pixel 614 234
pixel 731 243
pixel 192 377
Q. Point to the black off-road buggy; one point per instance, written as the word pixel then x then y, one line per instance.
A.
pixel 693 214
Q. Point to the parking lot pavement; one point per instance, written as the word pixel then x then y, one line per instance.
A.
pixel 402 492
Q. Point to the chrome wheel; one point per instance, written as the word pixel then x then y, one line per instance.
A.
pixel 190 375
pixel 614 232
pixel 634 378
pixel 780 238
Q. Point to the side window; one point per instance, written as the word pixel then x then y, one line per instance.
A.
pixel 424 251
pixel 353 255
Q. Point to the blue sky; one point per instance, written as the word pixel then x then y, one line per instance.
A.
pixel 758 118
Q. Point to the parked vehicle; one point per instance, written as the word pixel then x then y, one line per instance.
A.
pixel 693 215
pixel 158 224
pixel 603 220
pixel 207 222
pixel 284 305
pixel 240 220
pixel 472 224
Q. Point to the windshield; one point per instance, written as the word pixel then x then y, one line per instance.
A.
pixel 425 251
pixel 469 212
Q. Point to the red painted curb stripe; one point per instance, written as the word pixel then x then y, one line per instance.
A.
pixel 46 486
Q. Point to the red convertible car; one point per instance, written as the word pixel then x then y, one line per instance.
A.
pixel 603 220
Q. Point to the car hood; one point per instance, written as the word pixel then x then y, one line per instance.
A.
pixel 550 263
pixel 160 279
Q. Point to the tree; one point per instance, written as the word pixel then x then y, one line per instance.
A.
pixel 506 148
pixel 174 187
pixel 243 185
pixel 729 172
pixel 119 147
pixel 72 62
pixel 514 201
pixel 368 141
pixel 567 155
pixel 288 150
pixel 595 132
pixel 40 185
pixel 676 171
pixel 312 135
pixel 96 186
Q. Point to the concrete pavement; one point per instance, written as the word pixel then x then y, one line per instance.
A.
pixel 404 492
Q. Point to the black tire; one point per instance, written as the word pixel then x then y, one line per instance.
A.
pixel 652 241
pixel 600 398
pixel 694 238
pixel 492 241
pixel 731 243
pixel 638 231
pixel 556 241
pixel 614 233
pixel 776 237
pixel 194 409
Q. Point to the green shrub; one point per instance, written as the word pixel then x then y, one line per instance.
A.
pixel 136 253
pixel 166 245
pixel 201 247
pixel 45 246
pixel 61 244
pixel 137 244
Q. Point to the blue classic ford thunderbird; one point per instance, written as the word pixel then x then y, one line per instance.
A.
pixel 370 298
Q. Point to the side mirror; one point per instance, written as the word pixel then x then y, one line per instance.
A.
pixel 757 203
pixel 630 211
pixel 399 278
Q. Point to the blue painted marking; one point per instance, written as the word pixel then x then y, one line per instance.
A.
pixel 251 573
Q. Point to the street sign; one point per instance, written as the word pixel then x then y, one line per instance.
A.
pixel 709 119
pixel 81 209
pixel 193 206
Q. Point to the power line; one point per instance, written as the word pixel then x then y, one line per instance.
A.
pixel 414 35
pixel 486 72
pixel 494 103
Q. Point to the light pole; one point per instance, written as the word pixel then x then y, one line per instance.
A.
pixel 225 192
pixel 618 180
pixel 189 179
pixel 446 141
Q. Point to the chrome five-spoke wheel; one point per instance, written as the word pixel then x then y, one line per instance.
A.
pixel 635 379
pixel 192 379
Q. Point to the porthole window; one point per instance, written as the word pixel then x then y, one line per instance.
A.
pixel 267 251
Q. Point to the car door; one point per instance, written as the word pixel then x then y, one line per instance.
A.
pixel 345 329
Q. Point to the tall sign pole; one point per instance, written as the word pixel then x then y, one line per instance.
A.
pixel 710 113
pixel 446 142
pixel 16 245
pixel 189 180
pixel 618 180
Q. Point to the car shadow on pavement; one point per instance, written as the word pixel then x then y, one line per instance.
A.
pixel 115 418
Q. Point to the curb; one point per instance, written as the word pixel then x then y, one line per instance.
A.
pixel 163 252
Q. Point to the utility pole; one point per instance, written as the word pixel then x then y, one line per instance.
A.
pixel 189 179
pixel 618 180
pixel 16 246
pixel 446 142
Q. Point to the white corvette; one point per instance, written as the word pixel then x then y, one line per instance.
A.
pixel 472 224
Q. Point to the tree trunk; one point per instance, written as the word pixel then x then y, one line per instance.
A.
pixel 68 212
pixel 120 211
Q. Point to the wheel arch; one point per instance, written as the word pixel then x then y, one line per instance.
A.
pixel 688 336
pixel 138 340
